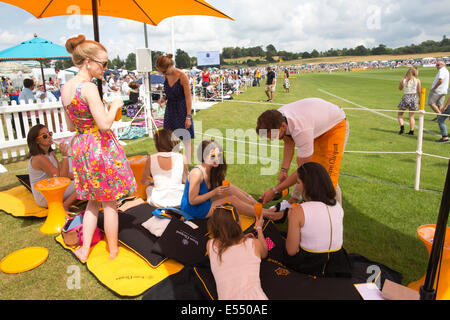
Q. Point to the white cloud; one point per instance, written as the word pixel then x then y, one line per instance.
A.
pixel 290 25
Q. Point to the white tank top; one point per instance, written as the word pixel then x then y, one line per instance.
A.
pixel 410 87
pixel 168 184
pixel 317 234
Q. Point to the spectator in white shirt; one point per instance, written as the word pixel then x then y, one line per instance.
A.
pixel 60 78
pixel 125 88
pixel 439 88
pixel 43 94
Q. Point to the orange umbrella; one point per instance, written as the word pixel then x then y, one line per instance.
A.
pixel 147 11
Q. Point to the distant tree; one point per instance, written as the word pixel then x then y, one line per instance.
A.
pixel 130 61
pixel 182 59
pixel 381 49
pixel 306 55
pixel 361 51
pixel 314 53
pixel 117 62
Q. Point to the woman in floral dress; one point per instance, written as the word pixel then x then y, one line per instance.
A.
pixel 102 173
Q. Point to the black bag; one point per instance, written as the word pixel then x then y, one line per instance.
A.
pixel 181 242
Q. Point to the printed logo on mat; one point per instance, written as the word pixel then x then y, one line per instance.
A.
pixel 282 271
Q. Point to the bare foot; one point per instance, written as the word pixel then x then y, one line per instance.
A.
pixel 113 254
pixel 80 255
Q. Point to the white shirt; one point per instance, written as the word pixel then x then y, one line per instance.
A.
pixel 125 88
pixel 50 96
pixel 444 75
pixel 62 77
pixel 308 119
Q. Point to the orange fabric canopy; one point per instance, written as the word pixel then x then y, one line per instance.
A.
pixel 147 11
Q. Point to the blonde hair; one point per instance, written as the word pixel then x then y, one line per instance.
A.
pixel 164 62
pixel 80 48
pixel 410 74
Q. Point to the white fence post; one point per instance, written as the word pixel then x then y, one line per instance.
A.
pixel 420 139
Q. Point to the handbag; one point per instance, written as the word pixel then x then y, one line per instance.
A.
pixel 72 232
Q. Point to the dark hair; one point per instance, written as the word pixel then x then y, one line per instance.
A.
pixel 317 183
pixel 223 227
pixel 163 140
pixel 133 85
pixel 33 147
pixel 217 173
pixel 269 119
pixel 28 83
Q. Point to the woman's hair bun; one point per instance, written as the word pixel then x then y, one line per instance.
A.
pixel 73 42
pixel 169 55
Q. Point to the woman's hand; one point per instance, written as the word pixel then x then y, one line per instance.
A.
pixel 187 123
pixel 64 147
pixel 116 104
pixel 259 221
pixel 220 191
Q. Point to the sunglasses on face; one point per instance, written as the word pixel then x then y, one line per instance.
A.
pixel 228 208
pixel 45 135
pixel 103 63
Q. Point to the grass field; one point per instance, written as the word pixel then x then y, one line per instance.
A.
pixel 382 209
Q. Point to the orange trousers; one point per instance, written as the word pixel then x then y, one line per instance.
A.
pixel 329 149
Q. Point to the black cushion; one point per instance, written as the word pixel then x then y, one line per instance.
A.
pixel 181 242
pixel 24 179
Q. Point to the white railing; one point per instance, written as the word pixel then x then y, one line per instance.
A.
pixel 13 143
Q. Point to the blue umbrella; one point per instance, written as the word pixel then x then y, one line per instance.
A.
pixel 35 49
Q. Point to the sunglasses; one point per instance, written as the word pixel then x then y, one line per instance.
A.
pixel 45 135
pixel 215 155
pixel 103 63
pixel 228 208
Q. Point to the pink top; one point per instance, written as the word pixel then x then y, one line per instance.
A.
pixel 237 274
pixel 308 119
pixel 316 233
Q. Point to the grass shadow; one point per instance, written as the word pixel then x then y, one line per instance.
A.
pixel 378 242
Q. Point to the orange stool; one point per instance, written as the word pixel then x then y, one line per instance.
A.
pixel 137 164
pixel 426 234
pixel 53 190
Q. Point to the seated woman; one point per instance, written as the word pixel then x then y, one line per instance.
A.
pixel 235 259
pixel 168 170
pixel 315 227
pixel 134 93
pixel 203 189
pixel 43 164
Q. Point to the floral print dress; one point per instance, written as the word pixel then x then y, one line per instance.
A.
pixel 101 169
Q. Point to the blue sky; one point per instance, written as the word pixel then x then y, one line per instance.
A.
pixel 290 25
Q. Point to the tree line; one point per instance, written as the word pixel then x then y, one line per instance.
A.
pixel 258 55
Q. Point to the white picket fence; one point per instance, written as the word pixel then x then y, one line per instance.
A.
pixel 13 143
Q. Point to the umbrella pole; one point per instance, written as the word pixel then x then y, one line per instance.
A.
pixel 97 38
pixel 42 73
pixel 149 75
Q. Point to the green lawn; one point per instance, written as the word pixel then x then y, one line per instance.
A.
pixel 382 209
